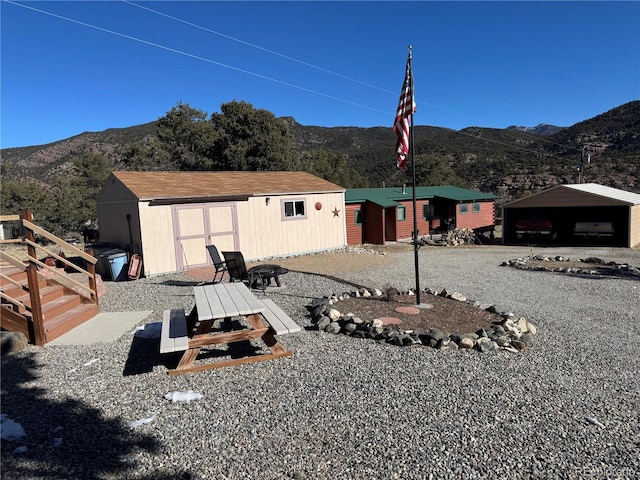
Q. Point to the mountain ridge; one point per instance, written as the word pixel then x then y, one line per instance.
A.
pixel 509 162
pixel 540 129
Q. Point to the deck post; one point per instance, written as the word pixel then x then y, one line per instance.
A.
pixel 34 288
pixel 36 305
pixel 91 268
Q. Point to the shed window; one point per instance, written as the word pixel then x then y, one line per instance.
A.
pixel 464 208
pixel 294 208
pixel 402 213
pixel 359 217
pixel 427 211
pixel 475 208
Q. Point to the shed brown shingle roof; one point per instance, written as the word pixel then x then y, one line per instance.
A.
pixel 156 185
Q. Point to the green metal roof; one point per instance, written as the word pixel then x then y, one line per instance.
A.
pixel 390 196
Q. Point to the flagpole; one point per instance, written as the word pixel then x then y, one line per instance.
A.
pixel 403 128
pixel 413 173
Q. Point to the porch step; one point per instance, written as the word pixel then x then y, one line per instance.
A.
pixel 55 308
pixel 48 293
pixel 62 309
pixel 70 319
pixel 14 273
pixel 62 305
pixel 15 322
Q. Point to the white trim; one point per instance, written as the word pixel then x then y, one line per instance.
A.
pixel 602 191
pixel 622 196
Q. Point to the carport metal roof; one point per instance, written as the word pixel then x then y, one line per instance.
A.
pixel 610 194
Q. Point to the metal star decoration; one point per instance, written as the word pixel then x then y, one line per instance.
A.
pixel 336 212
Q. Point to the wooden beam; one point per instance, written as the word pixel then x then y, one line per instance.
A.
pixel 11 280
pixel 13 261
pixel 49 236
pixel 67 278
pixel 37 317
pixel 15 302
pixel 57 257
pixel 228 363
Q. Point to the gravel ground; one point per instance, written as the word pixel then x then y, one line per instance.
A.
pixel 343 408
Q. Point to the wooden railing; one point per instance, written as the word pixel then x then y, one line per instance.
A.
pixel 33 269
pixel 10 218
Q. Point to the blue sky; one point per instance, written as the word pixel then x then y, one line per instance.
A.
pixel 89 66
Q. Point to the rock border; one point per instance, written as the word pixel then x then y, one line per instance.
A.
pixel 556 265
pixel 511 333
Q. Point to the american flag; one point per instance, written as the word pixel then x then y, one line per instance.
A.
pixel 406 107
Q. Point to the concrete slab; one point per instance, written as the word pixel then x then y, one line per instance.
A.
pixel 103 328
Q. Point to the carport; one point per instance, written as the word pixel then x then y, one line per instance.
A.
pixel 610 217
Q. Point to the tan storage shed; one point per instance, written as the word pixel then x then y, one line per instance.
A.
pixel 580 214
pixel 169 217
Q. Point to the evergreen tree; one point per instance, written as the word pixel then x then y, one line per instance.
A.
pixel 331 166
pixel 18 196
pixel 187 137
pixel 433 169
pixel 146 155
pixel 77 191
pixel 251 139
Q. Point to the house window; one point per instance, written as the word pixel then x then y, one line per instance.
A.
pixel 294 209
pixel 359 217
pixel 402 213
pixel 475 207
pixel 464 208
pixel 427 211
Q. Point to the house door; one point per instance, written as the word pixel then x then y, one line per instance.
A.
pixel 390 224
pixel 196 226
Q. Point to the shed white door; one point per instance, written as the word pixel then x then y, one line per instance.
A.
pixel 196 226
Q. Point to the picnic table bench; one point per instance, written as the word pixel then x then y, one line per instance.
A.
pixel 216 305
pixel 279 321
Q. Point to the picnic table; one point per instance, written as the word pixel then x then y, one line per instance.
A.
pixel 210 323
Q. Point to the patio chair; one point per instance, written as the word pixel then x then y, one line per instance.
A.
pixel 259 276
pixel 219 264
pixel 236 267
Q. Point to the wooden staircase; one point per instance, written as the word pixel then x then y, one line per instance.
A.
pixel 62 308
pixel 41 301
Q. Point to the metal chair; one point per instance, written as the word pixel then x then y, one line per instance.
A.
pixel 259 276
pixel 218 263
pixel 236 267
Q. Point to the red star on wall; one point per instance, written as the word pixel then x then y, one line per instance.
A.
pixel 336 212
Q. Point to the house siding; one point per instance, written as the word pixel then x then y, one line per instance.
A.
pixel 354 232
pixel 483 218
pixel 158 242
pixel 263 232
pixel 113 216
pixel 634 225
pixel 404 228
pixel 374 226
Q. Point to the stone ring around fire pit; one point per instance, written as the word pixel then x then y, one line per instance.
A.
pixel 508 332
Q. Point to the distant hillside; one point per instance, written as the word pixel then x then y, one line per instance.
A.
pixel 508 162
pixel 44 162
pixel 542 129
